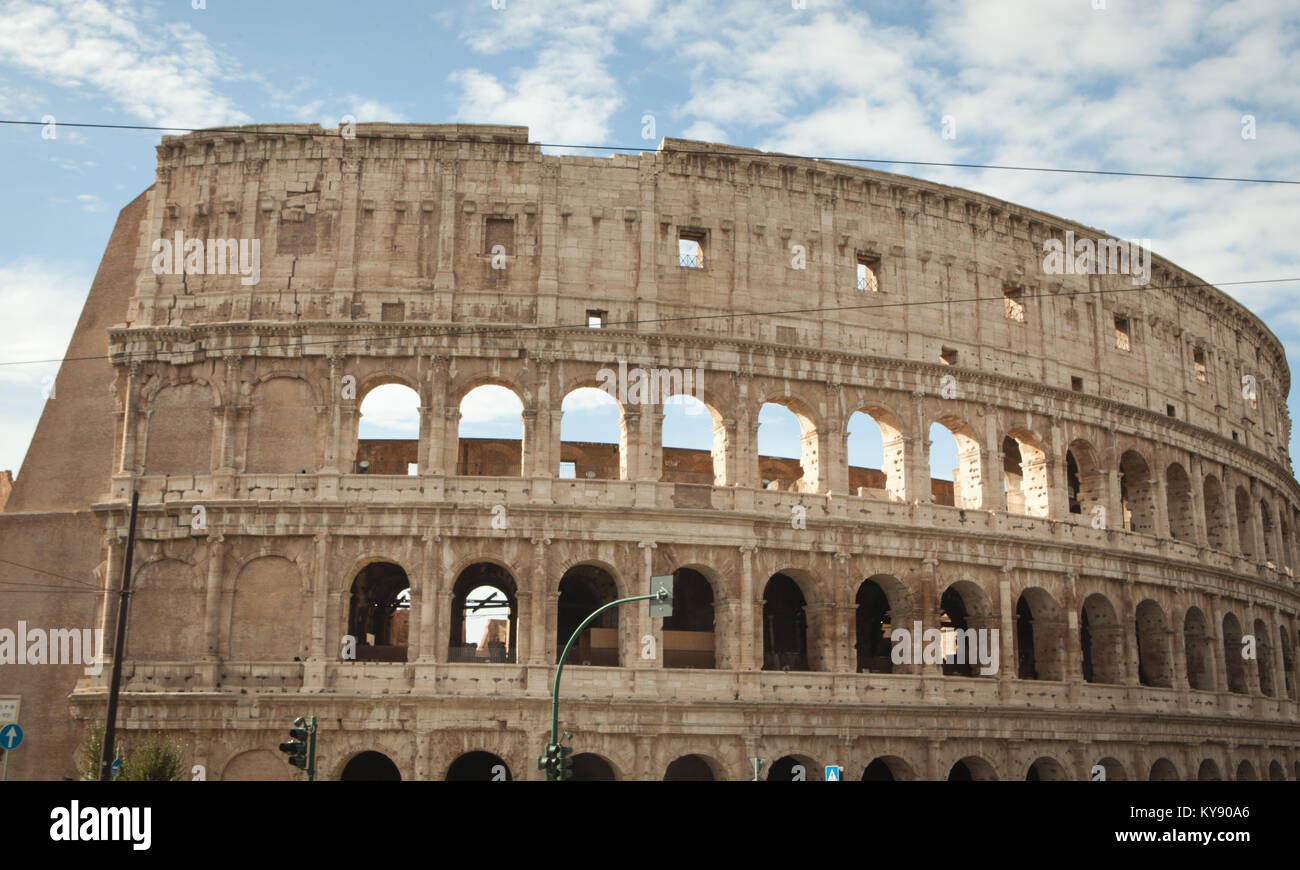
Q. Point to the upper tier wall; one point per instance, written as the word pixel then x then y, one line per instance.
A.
pixel 399 224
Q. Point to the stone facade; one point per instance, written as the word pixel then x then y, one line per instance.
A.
pixel 1124 510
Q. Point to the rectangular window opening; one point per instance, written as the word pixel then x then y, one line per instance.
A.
pixel 1121 333
pixel 948 355
pixel 1198 360
pixel 1171 411
pixel 868 273
pixel 412 469
pixel 568 470
pixel 595 318
pixel 690 249
pixel 1013 296
pixel 1076 384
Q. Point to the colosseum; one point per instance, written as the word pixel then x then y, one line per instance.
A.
pixel 1117 539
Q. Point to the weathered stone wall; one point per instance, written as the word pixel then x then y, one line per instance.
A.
pixel 1136 520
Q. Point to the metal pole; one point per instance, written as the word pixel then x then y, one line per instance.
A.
pixel 311 752
pixel 110 726
pixel 559 669
pixel 5 776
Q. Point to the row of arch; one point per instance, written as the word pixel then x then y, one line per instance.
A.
pixel 794 628
pixel 486 766
pixel 281 417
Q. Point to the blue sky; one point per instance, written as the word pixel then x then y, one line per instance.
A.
pixel 1152 85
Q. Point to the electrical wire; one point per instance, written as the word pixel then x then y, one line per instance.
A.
pixel 454 332
pixel 261 130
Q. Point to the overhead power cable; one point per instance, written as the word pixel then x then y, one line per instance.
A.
pixel 259 129
pixel 454 332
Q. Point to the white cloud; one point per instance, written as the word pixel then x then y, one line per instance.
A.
pixel 490 404
pixel 165 76
pixel 90 203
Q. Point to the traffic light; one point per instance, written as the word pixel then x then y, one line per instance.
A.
pixel 564 763
pixel 301 747
pixel 550 762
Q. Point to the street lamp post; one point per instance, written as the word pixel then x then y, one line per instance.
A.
pixel 553 759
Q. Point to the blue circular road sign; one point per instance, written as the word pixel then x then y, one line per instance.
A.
pixel 11 737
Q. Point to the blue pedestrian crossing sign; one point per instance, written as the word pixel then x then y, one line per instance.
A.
pixel 832 773
pixel 11 737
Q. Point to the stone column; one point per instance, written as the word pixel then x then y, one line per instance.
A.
pixel 1007 666
pixel 433 417
pixel 319 648
pixel 212 604
pixel 130 462
pixel 541 606
pixel 431 590
pixel 726 445
pixel 1198 501
pixel 450 440
pixel 748 655
pixel 646 625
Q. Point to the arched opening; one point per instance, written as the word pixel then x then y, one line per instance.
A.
pixel 1163 771
pixel 379 612
pixel 1085 481
pixel 370 767
pixel 1264 657
pixel 1288 663
pixel 1178 498
pixel 1046 769
pixel 972 768
pixel 1216 514
pixel 689 768
pixel 1100 641
pixel 388 431
pixel 490 436
pixel 1245 524
pixel 593 441
pixel 1266 522
pixel 955 457
pixel 688 635
pixel 888 768
pixel 964 619
pixel 875 620
pixel 1135 494
pixel 787 449
pixel 1040 636
pixel 1208 771
pixel 1198 648
pixel 793 768
pixel 590 767
pixel 483 615
pixel 1232 649
pixel 479 766
pixel 1246 772
pixel 876 455
pixel 583 589
pixel 694 443
pixel 1155 663
pixel 1112 770
pixel 1024 475
pixel 1276 772
pixel 785 626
